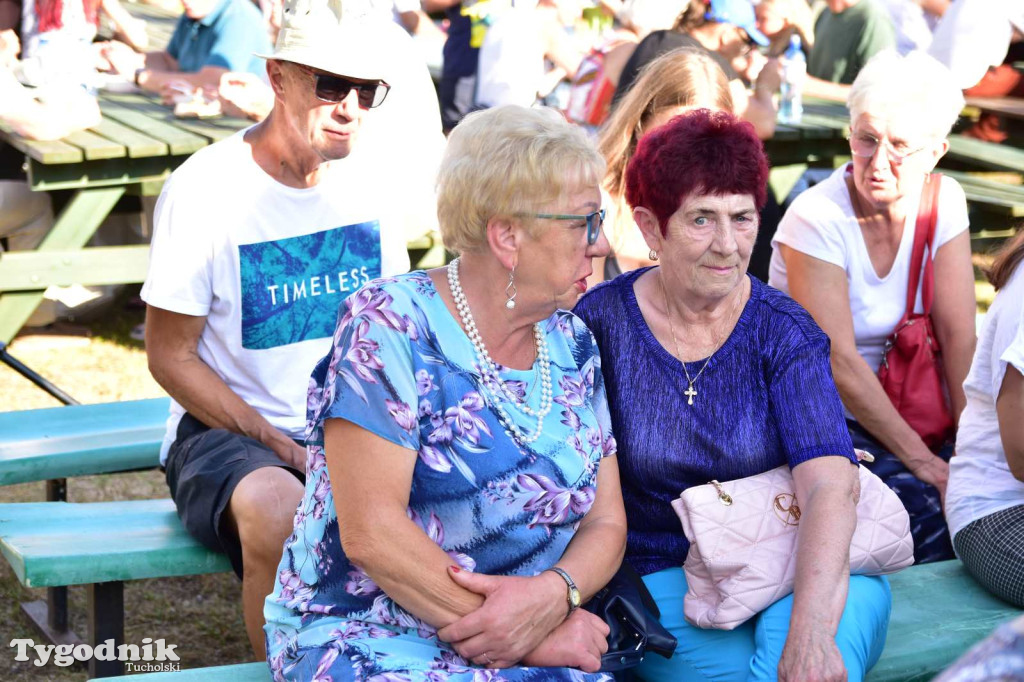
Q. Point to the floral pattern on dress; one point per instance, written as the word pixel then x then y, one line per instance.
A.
pixel 402 368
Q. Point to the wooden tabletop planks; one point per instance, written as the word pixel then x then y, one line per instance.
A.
pixel 214 129
pixel 137 144
pixel 986 154
pixel 53 151
pixel 177 140
pixel 1007 106
pixel 95 146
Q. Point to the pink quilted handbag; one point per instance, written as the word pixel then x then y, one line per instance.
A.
pixel 743 537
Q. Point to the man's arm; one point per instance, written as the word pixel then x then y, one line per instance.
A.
pixel 822 89
pixel 172 341
pixel 1009 407
pixel 153 80
pixel 38 121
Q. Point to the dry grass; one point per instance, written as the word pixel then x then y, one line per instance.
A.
pixel 201 614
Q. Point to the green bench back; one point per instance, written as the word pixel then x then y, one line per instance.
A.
pixel 79 440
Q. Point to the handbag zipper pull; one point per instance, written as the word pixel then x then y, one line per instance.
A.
pixel 723 496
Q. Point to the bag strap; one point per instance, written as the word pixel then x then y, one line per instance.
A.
pixel 924 237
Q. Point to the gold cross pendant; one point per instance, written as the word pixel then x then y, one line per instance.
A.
pixel 690 392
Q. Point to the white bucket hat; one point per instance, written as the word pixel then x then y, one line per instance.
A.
pixel 315 33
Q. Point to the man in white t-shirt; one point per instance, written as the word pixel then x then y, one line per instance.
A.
pixel 258 239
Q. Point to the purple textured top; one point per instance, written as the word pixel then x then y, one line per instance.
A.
pixel 767 398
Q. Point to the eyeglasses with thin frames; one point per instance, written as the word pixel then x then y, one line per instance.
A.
pixel 594 220
pixel 333 89
pixel 865 145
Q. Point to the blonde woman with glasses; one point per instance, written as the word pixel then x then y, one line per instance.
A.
pixel 843 251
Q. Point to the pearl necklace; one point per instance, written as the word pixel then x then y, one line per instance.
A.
pixel 489 369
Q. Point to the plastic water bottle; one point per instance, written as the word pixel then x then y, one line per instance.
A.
pixel 794 70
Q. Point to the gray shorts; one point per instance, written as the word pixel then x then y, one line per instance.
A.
pixel 203 468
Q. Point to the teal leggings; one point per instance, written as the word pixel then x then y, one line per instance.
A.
pixel 752 650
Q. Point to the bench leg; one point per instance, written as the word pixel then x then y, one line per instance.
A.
pixel 106 621
pixel 57 597
pixel 50 617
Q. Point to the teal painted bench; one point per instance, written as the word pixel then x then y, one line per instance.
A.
pixel 938 613
pixel 100 545
pixel 81 440
pixel 77 440
pixel 243 672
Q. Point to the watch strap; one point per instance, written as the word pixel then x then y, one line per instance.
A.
pixel 570 585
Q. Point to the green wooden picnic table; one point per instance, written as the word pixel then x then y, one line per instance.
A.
pixel 134 148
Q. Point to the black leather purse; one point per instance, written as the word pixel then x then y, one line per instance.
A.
pixel 631 614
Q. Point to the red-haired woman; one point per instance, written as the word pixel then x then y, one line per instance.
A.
pixel 985 497
pixel 711 374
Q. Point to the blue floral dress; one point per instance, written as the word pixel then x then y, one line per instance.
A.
pixel 401 367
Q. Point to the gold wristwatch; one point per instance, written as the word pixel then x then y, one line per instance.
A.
pixel 573 594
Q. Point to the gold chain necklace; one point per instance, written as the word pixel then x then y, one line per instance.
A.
pixel 690 391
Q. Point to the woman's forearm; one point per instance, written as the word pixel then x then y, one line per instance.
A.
pixel 593 555
pixel 827 522
pixel 409 567
pixel 865 398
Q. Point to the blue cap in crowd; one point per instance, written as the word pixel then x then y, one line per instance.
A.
pixel 738 13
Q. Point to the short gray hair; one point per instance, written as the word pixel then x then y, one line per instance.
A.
pixel 914 84
pixel 505 161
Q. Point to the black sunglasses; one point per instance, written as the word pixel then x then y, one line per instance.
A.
pixel 333 89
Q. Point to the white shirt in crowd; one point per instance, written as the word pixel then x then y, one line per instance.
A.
pixel 268 266
pixel 511 66
pixel 980 482
pixel 913 26
pixel 974 35
pixel 821 223
pixel 390 10
pixel 404 133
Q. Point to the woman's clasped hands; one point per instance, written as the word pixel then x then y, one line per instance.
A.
pixel 523 621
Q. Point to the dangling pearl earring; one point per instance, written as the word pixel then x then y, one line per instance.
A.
pixel 653 255
pixel 510 290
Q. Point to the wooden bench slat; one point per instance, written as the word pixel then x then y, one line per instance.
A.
pixel 244 672
pixel 137 144
pixel 938 612
pixel 51 544
pixel 79 440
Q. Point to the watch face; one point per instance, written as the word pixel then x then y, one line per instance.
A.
pixel 574 597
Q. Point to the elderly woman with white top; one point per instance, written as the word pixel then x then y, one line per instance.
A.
pixel 843 251
pixel 985 498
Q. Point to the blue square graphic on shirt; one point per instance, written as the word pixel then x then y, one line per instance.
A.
pixel 291 288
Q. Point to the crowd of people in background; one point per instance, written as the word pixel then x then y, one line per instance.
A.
pixel 643 206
